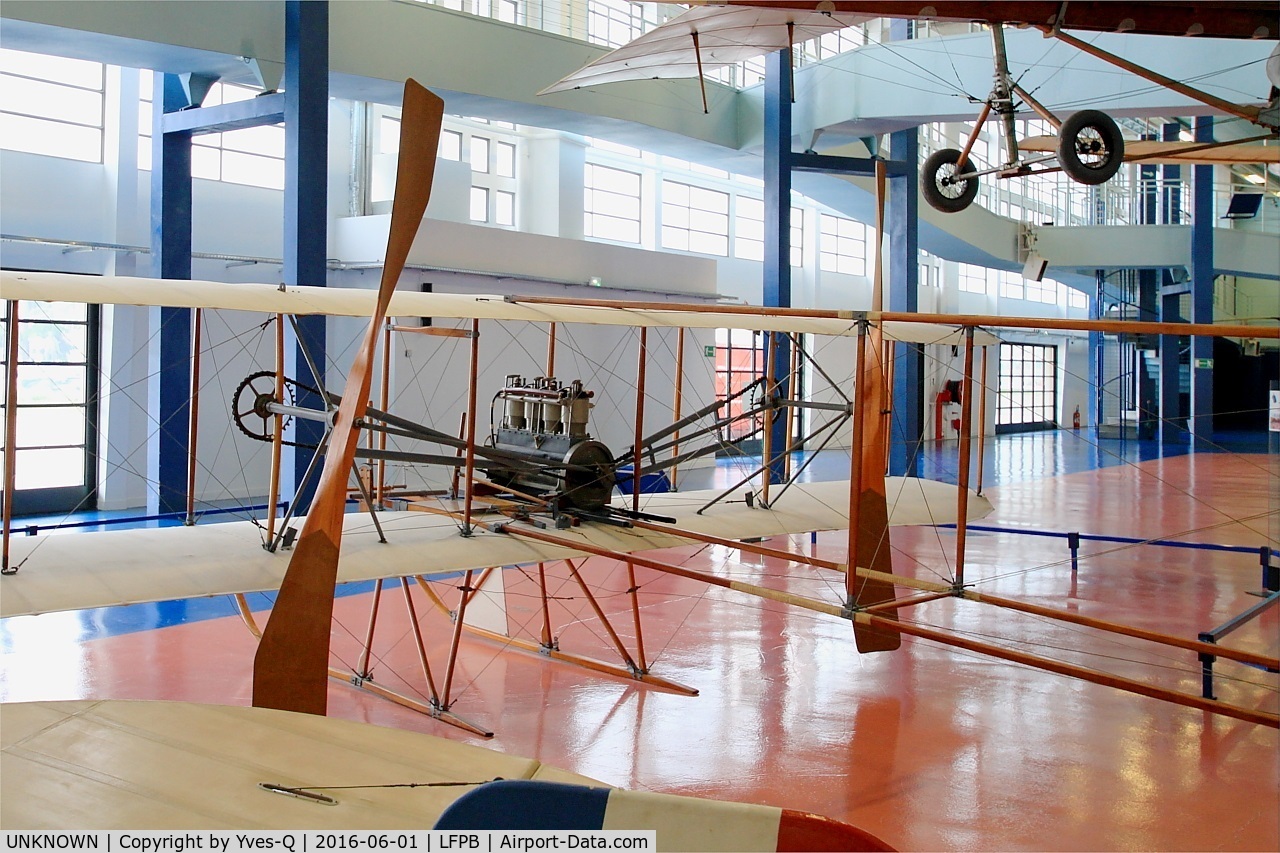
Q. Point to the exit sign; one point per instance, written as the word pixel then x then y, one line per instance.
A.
pixel 1204 363
pixel 709 351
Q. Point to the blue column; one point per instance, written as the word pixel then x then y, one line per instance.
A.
pixel 306 85
pixel 902 220
pixel 777 218
pixel 1096 306
pixel 1172 427
pixel 171 257
pixel 1202 276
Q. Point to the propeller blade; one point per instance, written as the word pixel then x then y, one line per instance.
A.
pixel 290 670
pixel 873 504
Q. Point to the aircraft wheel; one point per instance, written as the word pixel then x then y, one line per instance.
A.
pixel 1090 147
pixel 942 188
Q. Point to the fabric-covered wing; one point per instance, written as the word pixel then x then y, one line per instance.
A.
pixel 349 302
pixel 725 35
pixel 75 571
pixel 1246 19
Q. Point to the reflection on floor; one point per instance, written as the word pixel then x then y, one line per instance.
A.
pixel 928 747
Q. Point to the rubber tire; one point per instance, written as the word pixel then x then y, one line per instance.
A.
pixel 939 166
pixel 1108 134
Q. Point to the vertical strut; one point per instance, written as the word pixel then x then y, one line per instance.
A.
pixel 966 427
pixel 193 425
pixel 982 418
pixel 456 640
pixel 417 638
pixel 679 402
pixel 471 428
pixel 363 669
pixel 277 437
pixel 10 429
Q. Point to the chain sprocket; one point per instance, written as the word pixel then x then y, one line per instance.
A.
pixel 250 400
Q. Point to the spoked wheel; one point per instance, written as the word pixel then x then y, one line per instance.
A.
pixel 1090 147
pixel 944 187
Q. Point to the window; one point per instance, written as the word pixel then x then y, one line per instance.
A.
pixel 451 145
pixel 611 204
pixel 479 154
pixel 748 231
pixel 479 204
pixel 56 404
pixel 973 279
pixel 1011 285
pixel 51 105
pixel 505 160
pixel 504 208
pixel 1028 396
pixel 842 245
pixel 616 22
pixel 739 361
pixel 695 219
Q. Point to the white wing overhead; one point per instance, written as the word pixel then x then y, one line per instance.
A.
pixel 75 571
pixel 725 35
pixel 348 302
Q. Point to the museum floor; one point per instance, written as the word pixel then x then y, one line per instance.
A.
pixel 930 747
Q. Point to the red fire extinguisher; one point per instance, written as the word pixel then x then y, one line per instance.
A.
pixel 1075 419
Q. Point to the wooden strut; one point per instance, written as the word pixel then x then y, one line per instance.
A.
pixel 551 350
pixel 855 466
pixel 636 485
pixel 1244 111
pixel 973 137
pixel 470 464
pixel 770 415
pixel 966 429
pixel 982 419
pixel 193 420
pixel 890 625
pixel 677 405
pixel 277 437
pixel 793 390
pixel 384 403
pixel 702 80
pixel 10 431
pixel 548 648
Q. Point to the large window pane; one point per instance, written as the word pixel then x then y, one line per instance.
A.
pixel 50 426
pixel 47 469
pixel 42 384
pixel 50 342
pixel 51 138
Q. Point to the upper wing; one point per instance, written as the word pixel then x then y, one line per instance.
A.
pixel 1249 19
pixel 75 571
pixel 1156 152
pixel 349 302
pixel 724 35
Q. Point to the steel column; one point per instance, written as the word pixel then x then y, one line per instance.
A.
pixel 171 257
pixel 1172 427
pixel 1202 277
pixel 907 424
pixel 306 126
pixel 777 223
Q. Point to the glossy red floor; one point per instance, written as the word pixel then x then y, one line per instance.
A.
pixel 928 747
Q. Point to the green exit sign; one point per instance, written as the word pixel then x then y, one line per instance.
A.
pixel 709 351
pixel 1204 363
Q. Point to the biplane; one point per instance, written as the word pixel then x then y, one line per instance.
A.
pixel 539 487
pixel 1088 145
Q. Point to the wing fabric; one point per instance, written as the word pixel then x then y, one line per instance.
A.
pixel 291 665
pixel 1247 19
pixel 725 35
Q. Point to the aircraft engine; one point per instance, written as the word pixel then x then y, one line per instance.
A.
pixel 546 423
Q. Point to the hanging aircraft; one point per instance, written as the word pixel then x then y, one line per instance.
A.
pixel 1088 145
pixel 540 488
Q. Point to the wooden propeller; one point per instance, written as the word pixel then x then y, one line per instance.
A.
pixel 869 545
pixel 290 670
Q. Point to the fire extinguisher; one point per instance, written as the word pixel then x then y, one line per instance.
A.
pixel 1075 419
